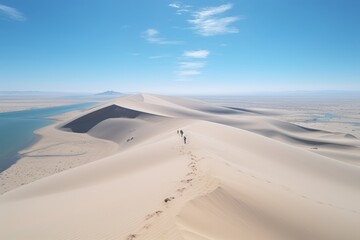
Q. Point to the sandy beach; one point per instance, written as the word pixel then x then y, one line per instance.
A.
pixel 120 170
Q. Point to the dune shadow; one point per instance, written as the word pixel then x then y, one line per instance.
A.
pixel 88 121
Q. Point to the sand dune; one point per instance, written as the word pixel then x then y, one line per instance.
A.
pixel 88 121
pixel 242 175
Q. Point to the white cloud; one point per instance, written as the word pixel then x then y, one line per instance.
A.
pixel 196 54
pixel 12 13
pixel 151 32
pixel 152 35
pixel 211 11
pixel 191 65
pixel 189 69
pixel 174 5
pixel 192 68
pixel 180 8
pixel 188 72
pixel 207 21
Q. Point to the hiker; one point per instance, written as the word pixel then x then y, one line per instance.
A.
pixel 181 133
pixel 178 132
pixel 184 139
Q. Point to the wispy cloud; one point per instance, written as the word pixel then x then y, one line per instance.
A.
pixel 180 8
pixel 11 13
pixel 191 65
pixel 152 35
pixel 189 68
pixel 196 54
pixel 174 5
pixel 207 21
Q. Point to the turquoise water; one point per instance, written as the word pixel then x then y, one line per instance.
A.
pixel 16 129
pixel 325 118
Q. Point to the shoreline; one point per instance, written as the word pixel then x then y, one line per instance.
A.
pixel 47 133
pixel 18 174
pixel 7 109
pixel 29 121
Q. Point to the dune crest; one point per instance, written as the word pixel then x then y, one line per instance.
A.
pixel 241 175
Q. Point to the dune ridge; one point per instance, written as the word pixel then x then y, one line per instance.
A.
pixel 242 175
pixel 88 121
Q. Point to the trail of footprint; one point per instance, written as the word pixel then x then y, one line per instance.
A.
pixel 192 165
pixel 157 213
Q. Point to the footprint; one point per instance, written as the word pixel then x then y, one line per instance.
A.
pixel 157 213
pixel 187 180
pixel 181 190
pixel 131 236
pixel 166 200
pixel 130 139
pixel 146 226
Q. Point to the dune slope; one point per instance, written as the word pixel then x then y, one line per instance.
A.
pixel 88 121
pixel 241 175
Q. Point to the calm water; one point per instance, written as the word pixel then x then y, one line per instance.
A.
pixel 16 129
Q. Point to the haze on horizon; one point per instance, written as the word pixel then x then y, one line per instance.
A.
pixel 180 47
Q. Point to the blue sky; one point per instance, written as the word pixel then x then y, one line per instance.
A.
pixel 184 47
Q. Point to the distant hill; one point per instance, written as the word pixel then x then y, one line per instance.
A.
pixel 109 93
pixel 40 94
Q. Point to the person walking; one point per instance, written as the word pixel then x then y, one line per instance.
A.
pixel 184 139
pixel 181 133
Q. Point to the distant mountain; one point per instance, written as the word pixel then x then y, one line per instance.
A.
pixel 40 94
pixel 110 93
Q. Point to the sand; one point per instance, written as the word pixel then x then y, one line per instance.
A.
pixel 15 104
pixel 242 175
pixel 334 113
